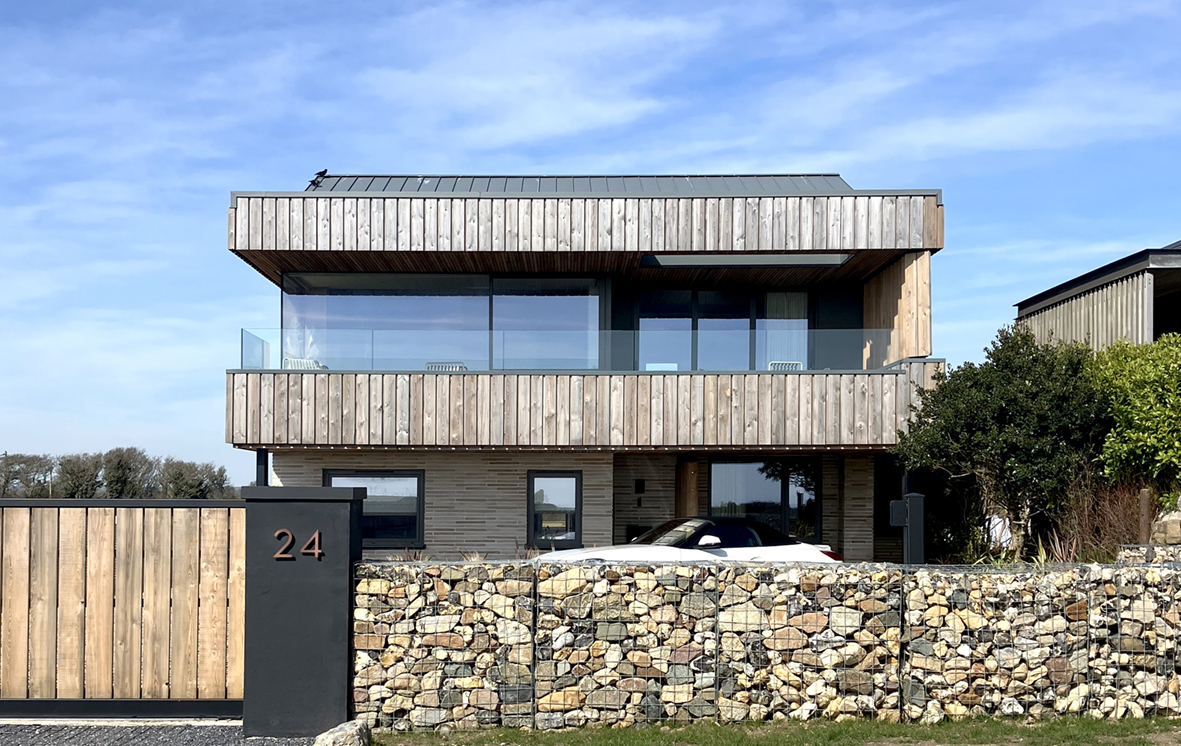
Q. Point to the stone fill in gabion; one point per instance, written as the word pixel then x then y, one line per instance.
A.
pixel 1149 553
pixel 550 646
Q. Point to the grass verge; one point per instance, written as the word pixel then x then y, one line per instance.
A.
pixel 1059 732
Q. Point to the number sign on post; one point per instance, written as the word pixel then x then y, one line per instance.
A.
pixel 301 543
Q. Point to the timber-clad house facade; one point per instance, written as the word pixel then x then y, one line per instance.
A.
pixel 515 362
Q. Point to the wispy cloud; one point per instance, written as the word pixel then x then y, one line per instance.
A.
pixel 124 129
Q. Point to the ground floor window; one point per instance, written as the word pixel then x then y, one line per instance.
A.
pixel 783 493
pixel 393 509
pixel 555 509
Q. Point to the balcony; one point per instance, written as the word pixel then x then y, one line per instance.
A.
pixel 655 351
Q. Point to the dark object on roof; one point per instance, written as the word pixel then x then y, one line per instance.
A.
pixel 1166 257
pixel 317 179
pixel 762 185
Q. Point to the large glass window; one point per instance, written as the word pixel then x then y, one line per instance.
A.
pixel 555 509
pixel 723 330
pixel 666 330
pixel 385 322
pixel 393 508
pixel 545 324
pixel 439 322
pixel 782 493
pixel 781 338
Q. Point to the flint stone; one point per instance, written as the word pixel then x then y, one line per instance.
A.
pixel 428 717
pixel 608 698
pixel 352 733
pixel 561 700
pixel 565 583
pixel 697 605
pixel 786 638
pixel 611 631
pixel 436 624
pixel 843 620
pixel 810 622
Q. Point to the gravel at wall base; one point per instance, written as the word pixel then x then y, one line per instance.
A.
pixel 135 735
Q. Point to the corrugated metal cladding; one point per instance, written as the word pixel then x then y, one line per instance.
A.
pixel 768 185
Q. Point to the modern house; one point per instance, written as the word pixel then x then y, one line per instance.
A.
pixel 1137 298
pixel 515 362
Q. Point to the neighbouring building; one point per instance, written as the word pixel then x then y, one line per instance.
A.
pixel 1137 298
pixel 515 362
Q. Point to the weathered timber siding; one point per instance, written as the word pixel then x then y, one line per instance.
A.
pixel 122 603
pixel 844 223
pixel 899 298
pixel 594 411
pixel 1121 309
pixel 473 501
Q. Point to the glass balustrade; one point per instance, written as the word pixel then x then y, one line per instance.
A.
pixel 664 349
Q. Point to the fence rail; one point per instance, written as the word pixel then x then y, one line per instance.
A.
pixel 130 600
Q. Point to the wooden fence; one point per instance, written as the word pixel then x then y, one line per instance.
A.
pixel 113 599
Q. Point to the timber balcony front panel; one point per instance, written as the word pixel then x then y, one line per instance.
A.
pixel 567 411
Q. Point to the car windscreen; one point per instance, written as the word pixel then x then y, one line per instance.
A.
pixel 771 537
pixel 671 534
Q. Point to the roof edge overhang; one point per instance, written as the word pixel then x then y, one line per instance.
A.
pixel 1166 257
pixel 704 194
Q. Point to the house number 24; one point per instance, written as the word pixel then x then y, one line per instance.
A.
pixel 311 548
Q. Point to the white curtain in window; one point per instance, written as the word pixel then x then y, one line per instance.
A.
pixel 786 328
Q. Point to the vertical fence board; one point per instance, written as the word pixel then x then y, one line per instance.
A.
pixel 129 597
pixel 186 536
pixel 71 601
pixel 211 615
pixel 100 590
pixel 157 601
pixel 43 549
pixel 236 606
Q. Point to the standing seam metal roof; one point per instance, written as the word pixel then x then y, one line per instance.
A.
pixel 760 185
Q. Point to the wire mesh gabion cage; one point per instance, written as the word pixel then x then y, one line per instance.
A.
pixel 548 645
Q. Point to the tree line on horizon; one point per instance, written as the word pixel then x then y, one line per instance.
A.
pixel 123 473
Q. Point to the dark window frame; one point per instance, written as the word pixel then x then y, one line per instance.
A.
pixel 816 463
pixel 419 540
pixel 533 474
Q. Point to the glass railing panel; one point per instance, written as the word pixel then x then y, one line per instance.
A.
pixel 774 348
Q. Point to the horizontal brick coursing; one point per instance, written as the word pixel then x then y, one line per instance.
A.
pixel 475 502
pixel 657 504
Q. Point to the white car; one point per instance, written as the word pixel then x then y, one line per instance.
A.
pixel 703 540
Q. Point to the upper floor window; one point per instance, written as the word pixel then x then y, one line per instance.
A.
pixel 682 330
pixel 357 321
pixel 545 324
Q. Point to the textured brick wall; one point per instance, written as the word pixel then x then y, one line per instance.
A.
pixel 831 494
pixel 657 504
pixel 474 501
pixel 857 509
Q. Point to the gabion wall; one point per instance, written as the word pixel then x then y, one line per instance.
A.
pixel 442 646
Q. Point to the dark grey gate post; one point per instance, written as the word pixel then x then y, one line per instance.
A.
pixel 301 543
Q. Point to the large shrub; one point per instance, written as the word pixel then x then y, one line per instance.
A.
pixel 1015 430
pixel 1144 385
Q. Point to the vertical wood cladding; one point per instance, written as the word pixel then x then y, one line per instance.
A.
pixel 833 223
pixel 1121 309
pixel 899 298
pixel 573 412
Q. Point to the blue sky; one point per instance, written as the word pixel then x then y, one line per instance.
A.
pixel 1054 130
